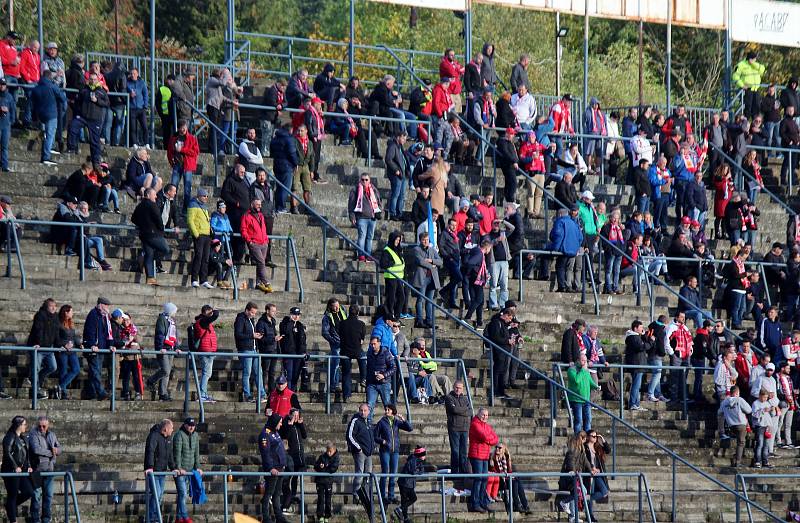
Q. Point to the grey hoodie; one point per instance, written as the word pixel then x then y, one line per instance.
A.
pixel 735 409
pixel 41 450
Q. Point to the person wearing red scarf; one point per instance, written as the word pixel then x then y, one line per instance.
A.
pixel 363 208
pixel 788 404
pixel 612 230
pixel 735 273
pixel 301 180
pixel 316 133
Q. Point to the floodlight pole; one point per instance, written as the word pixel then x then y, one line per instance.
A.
pixel 586 54
pixel 726 82
pixel 641 55
pixel 351 50
pixel 669 56
pixel 468 32
pixel 41 28
pixel 558 53
pixel 153 85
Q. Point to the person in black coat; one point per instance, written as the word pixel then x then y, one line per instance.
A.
pixel 397 171
pixel 681 247
pixel 565 191
pixel 352 332
pixel 147 218
pixel 734 212
pixel 16 460
pixel 695 200
pixel 293 431
pixel 44 333
pixel 293 341
pixel 641 186
pixel 508 161
pixel 327 86
pixel 236 195
pixel 572 341
pixel 637 344
pixel 497 332
pixel 327 463
pixel 268 344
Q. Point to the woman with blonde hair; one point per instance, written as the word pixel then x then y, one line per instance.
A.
pixel 575 460
pixel 437 175
pixel 500 463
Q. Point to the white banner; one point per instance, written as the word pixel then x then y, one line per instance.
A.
pixel 453 5
pixel 773 23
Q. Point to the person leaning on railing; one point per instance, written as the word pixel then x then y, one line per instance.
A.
pixel 16 460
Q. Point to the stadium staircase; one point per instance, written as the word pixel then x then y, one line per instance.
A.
pixel 104 450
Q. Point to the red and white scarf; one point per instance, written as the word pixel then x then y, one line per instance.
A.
pixel 303 142
pixel 788 390
pixel 370 193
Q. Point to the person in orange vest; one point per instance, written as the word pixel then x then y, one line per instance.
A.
pixel 282 399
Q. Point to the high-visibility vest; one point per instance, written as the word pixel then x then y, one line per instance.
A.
pixel 398 267
pixel 166 96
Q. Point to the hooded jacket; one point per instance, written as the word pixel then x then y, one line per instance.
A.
pixel 186 450
pixel 482 438
pixel 384 333
pixel 198 220
pixel 387 433
pixel 44 331
pixel 488 72
pixel 636 348
pixel 789 95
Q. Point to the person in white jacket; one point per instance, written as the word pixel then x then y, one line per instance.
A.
pixel 524 107
pixel 724 379
pixel 787 404
pixel 641 147
pixel 734 410
pixel 762 411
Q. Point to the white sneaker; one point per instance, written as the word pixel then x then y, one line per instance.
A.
pixel 48 162
pixel 652 398
pixel 147 146
pixel 195 284
pixel 208 285
pixel 638 407
pixel 565 507
pixel 54 151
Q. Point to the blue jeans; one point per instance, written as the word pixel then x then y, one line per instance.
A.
pixel 118 116
pixel 581 417
pixel 389 462
pixel 206 368
pixel 598 492
pixel 182 490
pixel 398 196
pixel 660 211
pixel 375 389
pixel 633 399
pixel 154 498
pixel 155 247
pixel 696 316
pixel 773 136
pixel 179 172
pixel 613 262
pixel 41 500
pixel 700 216
pixel 478 497
pixel 49 137
pixel 47 365
pixel 738 307
pixel 69 367
pixel 335 370
pixel 409 121
pixel 250 369
pixel 366 231
pixel 110 195
pixel 631 271
pixel 654 388
pixel 458 451
pixel 643 204
pixel 416 382
pixel 428 291
pixel 281 194
pixel 96 243
pixel 95 367
pixel 5 134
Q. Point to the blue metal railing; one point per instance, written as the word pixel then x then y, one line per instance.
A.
pixel 741 481
pixel 70 492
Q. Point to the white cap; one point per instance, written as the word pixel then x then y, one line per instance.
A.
pixel 770 366
pixel 587 195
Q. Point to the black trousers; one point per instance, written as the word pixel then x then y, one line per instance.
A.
pixel 395 297
pixel 407 498
pixel 166 129
pixel 500 372
pixel 296 464
pixel 202 249
pixel 272 496
pixel 476 303
pixel 317 156
pixel 18 491
pixel 324 494
pixel 128 370
pixel 510 190
pixel 139 126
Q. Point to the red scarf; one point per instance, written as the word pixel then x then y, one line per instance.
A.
pixel 598 122
pixel 303 141
pixel 614 232
pixel 320 123
pixel 740 269
pixel 788 390
pixel 483 275
pixel 580 340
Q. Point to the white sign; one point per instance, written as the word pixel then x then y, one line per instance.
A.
pixel 773 23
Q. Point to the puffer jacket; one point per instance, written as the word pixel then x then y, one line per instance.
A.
pixel 44 331
pixel 197 219
pixel 387 433
pixel 186 450
pixel 481 439
pixel 384 333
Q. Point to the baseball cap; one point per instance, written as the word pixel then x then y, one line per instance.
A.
pixel 13 34
pixel 190 421
pixel 316 100
pixel 770 366
pixel 686 220
pixel 510 131
pixel 295 310
pixel 5 199
pixel 117 313
pixel 587 194
pixel 70 199
pixel 282 380
pixel 510 304
pixel 51 45
pixel 568 97
pixel 3 81
pixel 695 223
pixel 201 192
pixel 464 203
pixel 573 208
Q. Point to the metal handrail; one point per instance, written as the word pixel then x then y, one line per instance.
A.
pixel 742 479
pixel 11 234
pixel 435 478
pixel 460 366
pixel 290 250
pixel 555 385
pixel 747 175
pixel 784 150
pixel 70 492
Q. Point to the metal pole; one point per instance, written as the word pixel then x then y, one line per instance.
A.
pixel 444 502
pixel 10 15
pixel 186 388
pixel 726 79
pixel 41 28
pixel 9 225
pixel 586 53
pixel 286 285
pixel 35 380
pixel 351 49
pixel 468 32
pixel 116 27
pixel 558 54
pixel 669 56
pixel 303 499
pixel 328 387
pixel 674 475
pixel 491 378
pixel 153 84
pixel 225 497
pixel 324 253
pixel 82 257
pixel 113 381
pixel 641 55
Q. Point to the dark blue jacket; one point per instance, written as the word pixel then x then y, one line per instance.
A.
pixel 381 363
pixel 769 338
pixel 414 467
pixel 273 455
pixel 387 434
pixel 283 152
pixel 141 100
pixel 360 436
pixel 565 236
pixel 695 196
pixel 6 100
pixel 95 331
pixel 45 100
pixel 690 296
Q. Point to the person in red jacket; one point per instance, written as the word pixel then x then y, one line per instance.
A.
pixel 441 104
pixel 282 399
pixel 254 234
pixel 10 61
pixel 450 68
pixel 481 440
pixel 205 341
pixel 29 73
pixel 744 363
pixel 182 153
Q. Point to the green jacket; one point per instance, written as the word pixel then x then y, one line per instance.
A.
pixel 186 450
pixel 746 74
pixel 586 216
pixel 580 384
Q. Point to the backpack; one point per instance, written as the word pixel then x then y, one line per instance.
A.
pixel 609 389
pixel 192 342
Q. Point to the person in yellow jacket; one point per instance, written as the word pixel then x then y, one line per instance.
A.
pixel 747 75
pixel 440 382
pixel 199 223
